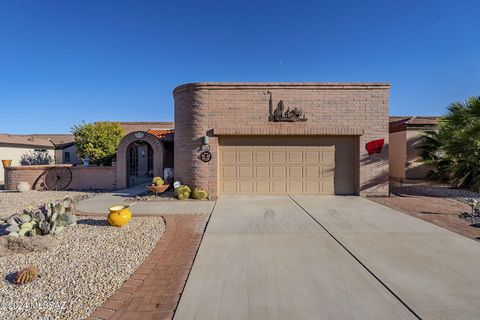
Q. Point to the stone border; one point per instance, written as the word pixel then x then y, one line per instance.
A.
pixel 154 290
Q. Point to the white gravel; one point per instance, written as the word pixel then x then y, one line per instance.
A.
pixel 91 263
pixel 431 189
pixel 12 202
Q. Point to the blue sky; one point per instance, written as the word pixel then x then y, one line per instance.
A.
pixel 62 62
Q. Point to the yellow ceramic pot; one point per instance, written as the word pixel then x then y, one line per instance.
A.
pixel 119 216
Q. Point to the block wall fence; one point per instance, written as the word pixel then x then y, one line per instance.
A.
pixel 83 178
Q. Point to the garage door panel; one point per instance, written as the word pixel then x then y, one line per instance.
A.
pixel 311 172
pixel 295 156
pixel 328 157
pixel 295 187
pixel 328 171
pixel 262 187
pixel 312 187
pixel 295 172
pixel 245 187
pixel 279 172
pixel 262 172
pixel 228 156
pixel 311 156
pixel 278 187
pixel 262 156
pixel 228 187
pixel 245 156
pixel 311 165
pixel 278 157
pixel 228 172
pixel 245 172
pixel 327 187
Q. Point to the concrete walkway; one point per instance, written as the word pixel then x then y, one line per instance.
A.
pixel 310 257
pixel 99 205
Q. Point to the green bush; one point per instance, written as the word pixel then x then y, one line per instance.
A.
pixel 98 141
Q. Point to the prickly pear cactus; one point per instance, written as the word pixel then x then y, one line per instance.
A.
pixel 158 181
pixel 52 218
pixel 182 192
pixel 199 193
pixel 26 275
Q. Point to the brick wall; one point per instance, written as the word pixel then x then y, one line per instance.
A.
pixel 215 109
pixel 83 178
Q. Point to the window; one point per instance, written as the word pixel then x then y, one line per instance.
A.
pixel 66 157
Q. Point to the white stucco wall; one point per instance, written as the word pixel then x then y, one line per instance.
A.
pixel 15 153
pixel 60 155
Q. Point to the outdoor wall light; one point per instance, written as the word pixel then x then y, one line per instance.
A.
pixel 205 140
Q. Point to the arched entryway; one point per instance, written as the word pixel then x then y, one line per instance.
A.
pixel 139 163
pixel 140 157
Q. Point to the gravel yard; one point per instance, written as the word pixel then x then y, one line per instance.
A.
pixel 431 189
pixel 13 202
pixel 91 263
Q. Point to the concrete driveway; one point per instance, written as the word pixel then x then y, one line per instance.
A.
pixel 308 257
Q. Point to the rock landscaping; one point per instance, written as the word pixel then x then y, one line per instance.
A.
pixel 436 203
pixel 182 192
pixel 12 202
pixel 89 263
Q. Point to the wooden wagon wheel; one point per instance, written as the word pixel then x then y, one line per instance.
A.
pixel 58 178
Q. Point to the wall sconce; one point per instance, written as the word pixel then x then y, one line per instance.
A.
pixel 205 140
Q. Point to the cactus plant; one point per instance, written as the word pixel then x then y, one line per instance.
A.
pixel 199 193
pixel 51 218
pixel 26 275
pixel 182 192
pixel 158 181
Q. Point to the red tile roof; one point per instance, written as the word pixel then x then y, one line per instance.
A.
pixel 163 134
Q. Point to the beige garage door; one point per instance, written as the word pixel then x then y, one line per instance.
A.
pixel 287 165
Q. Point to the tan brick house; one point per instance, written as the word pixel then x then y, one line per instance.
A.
pixel 282 138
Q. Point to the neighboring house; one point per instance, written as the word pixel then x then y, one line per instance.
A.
pixel 405 134
pixel 12 147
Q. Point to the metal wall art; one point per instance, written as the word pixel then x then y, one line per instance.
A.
pixel 280 115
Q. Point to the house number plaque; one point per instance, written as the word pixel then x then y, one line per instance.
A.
pixel 205 156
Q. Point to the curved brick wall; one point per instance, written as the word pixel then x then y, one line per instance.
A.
pixel 216 109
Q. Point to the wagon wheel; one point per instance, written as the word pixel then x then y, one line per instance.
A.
pixel 58 178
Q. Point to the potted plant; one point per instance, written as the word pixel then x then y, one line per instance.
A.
pixel 158 185
pixel 6 163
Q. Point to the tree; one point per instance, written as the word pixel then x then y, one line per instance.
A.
pixel 98 141
pixel 454 151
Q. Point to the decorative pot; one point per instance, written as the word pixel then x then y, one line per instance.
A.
pixel 119 216
pixel 23 186
pixel 158 189
pixel 6 163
